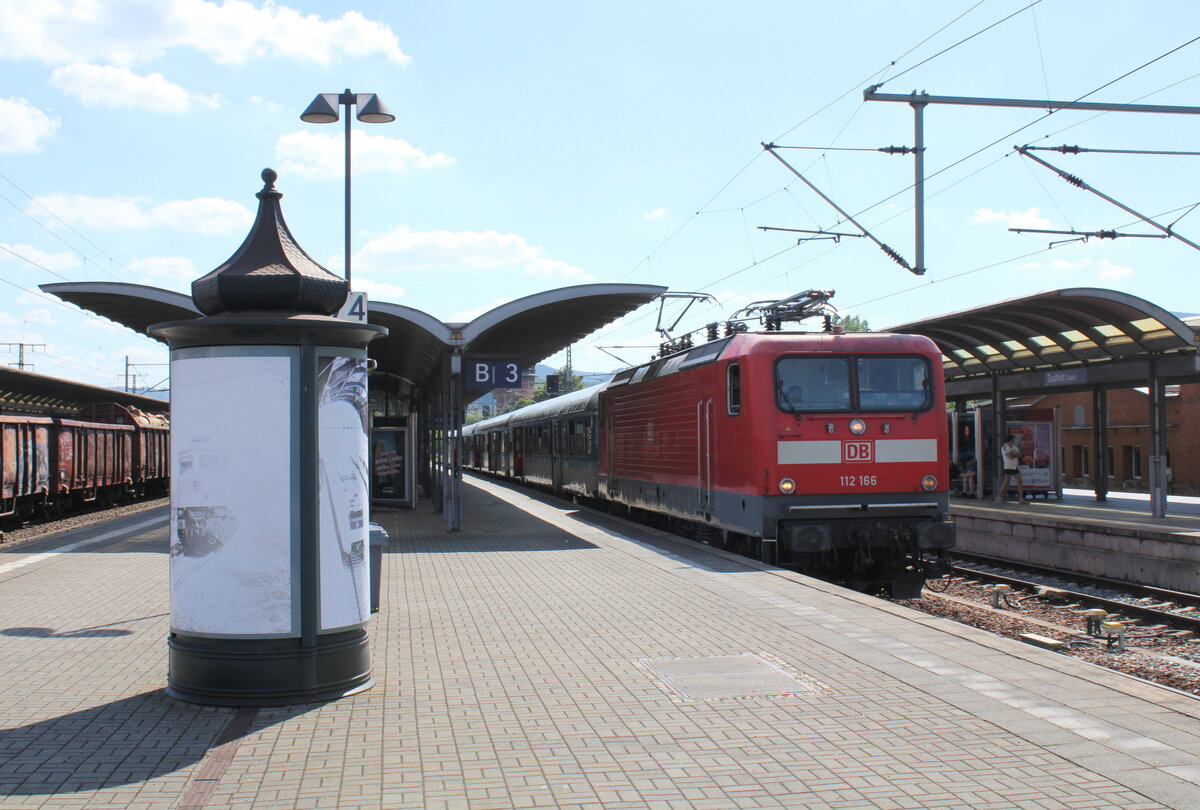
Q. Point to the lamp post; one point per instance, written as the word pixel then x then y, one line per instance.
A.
pixel 324 110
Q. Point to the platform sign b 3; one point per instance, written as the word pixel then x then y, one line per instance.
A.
pixel 493 374
pixel 355 308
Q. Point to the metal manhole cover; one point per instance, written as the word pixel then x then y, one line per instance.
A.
pixel 726 676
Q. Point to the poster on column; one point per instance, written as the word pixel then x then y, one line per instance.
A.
pixel 342 448
pixel 230 527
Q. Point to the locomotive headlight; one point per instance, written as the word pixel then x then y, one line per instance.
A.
pixel 929 483
pixel 858 427
pixel 787 486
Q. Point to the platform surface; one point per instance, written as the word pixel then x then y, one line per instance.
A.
pixel 1129 509
pixel 547 656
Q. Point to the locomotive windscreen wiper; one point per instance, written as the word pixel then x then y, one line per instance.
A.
pixel 783 395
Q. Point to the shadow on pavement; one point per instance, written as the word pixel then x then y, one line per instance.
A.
pixel 490 524
pixel 120 743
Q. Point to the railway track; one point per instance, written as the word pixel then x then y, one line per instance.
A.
pixel 1141 604
pixel 1147 633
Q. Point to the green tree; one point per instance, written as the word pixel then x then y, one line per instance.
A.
pixel 519 403
pixel 852 323
pixel 567 382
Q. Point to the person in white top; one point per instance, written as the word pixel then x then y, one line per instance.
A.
pixel 1011 454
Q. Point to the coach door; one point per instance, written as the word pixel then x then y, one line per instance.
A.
pixel 704 457
pixel 558 439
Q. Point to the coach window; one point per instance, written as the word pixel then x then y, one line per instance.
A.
pixel 733 389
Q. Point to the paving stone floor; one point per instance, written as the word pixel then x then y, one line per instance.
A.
pixel 548 656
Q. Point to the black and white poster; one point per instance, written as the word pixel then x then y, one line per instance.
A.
pixel 344 482
pixel 230 527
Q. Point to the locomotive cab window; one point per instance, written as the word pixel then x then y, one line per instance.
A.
pixel 813 384
pixel 733 389
pixel 832 384
pixel 893 384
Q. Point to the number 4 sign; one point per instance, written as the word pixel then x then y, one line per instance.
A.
pixel 355 308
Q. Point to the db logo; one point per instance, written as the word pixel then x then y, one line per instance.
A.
pixel 856 451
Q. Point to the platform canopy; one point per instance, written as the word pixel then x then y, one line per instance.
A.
pixel 1082 328
pixel 28 392
pixel 527 330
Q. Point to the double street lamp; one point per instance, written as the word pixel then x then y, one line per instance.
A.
pixel 324 110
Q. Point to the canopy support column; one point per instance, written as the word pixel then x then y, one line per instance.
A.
pixel 999 430
pixel 1158 442
pixel 1100 441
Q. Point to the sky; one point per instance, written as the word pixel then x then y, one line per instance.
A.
pixel 539 145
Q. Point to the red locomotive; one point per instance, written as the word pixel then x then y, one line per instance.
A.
pixel 823 452
pixel 51 465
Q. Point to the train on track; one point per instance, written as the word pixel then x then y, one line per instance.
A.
pixel 50 466
pixel 824 452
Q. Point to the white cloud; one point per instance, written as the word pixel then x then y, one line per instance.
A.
pixel 406 249
pixel 126 32
pixel 109 86
pixel 1012 219
pixel 202 215
pixel 657 213
pixel 379 290
pixel 1112 272
pixel 468 315
pixel 50 261
pixel 556 268
pixel 322 154
pixel 269 106
pixel 38 316
pixel 1064 265
pixel 173 272
pixel 25 126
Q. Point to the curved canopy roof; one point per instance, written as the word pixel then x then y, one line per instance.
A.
pixel 1050 330
pixel 527 330
pixel 136 306
pixel 29 392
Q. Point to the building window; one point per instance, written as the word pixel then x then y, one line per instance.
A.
pixel 1133 461
pixel 1082 469
pixel 1110 460
pixel 733 389
pixel 1080 416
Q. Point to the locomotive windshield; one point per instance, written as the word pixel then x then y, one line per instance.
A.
pixel 827 384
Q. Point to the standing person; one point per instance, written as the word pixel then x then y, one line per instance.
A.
pixel 1011 454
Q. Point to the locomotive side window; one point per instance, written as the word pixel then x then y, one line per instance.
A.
pixel 813 384
pixel 893 384
pixel 733 389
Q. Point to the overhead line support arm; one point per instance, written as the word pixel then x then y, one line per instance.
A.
pixel 896 257
pixel 1077 182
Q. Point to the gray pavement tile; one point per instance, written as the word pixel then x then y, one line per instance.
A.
pixel 506 676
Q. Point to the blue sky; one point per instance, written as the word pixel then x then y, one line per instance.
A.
pixel 543 144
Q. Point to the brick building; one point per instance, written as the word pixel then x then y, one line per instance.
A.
pixel 1128 435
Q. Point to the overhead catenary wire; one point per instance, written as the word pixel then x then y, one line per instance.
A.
pixel 946 168
pixel 66 225
pixel 960 42
pixel 757 155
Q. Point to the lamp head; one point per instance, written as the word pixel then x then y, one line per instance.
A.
pixel 323 110
pixel 373 111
